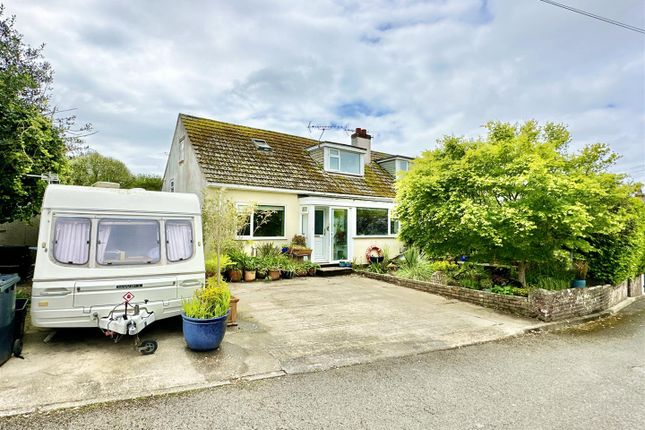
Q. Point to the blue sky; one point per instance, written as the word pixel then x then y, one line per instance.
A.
pixel 407 71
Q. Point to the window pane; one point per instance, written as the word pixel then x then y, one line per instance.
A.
pixel 128 241
pixel 394 226
pixel 72 240
pixel 179 240
pixel 319 224
pixel 350 162
pixel 268 221
pixel 334 163
pixel 371 222
pixel 245 220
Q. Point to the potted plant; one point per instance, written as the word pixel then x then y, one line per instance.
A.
pixel 204 316
pixel 580 268
pixel 301 268
pixel 211 264
pixel 250 266
pixel 311 267
pixel 237 257
pixel 298 247
pixel 288 269
pixel 234 272
pixel 273 268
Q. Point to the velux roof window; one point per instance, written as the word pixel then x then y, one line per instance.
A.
pixel 261 144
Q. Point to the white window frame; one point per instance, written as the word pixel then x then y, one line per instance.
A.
pixel 160 241
pixel 336 154
pixel 53 241
pixel 251 236
pixel 192 239
pixel 182 149
pixel 400 162
pixel 389 224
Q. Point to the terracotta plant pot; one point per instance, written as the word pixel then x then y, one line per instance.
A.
pixel 274 275
pixel 235 275
pixel 232 317
pixel 249 275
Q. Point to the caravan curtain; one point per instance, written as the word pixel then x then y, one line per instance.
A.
pixel 179 240
pixel 104 236
pixel 72 240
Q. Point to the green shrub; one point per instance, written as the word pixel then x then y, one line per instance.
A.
pixel 620 255
pixel 212 301
pixel 414 265
pixel 486 283
pixel 444 266
pixel 210 264
pixel 507 291
pixel 471 283
pixel 267 249
pixel 554 284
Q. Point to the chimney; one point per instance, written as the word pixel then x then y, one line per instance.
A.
pixel 363 140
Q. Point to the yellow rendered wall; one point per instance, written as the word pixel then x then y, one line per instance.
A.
pixel 392 246
pixel 291 212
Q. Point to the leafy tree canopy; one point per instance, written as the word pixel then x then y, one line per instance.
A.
pixel 516 196
pixel 33 141
pixel 93 167
pixel 147 182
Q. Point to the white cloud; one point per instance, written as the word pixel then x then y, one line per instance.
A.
pixel 408 71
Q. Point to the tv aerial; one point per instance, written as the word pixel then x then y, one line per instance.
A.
pixel 324 128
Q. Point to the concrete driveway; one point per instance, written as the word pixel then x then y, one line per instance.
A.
pixel 286 327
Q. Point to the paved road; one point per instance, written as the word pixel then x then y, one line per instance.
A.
pixel 591 377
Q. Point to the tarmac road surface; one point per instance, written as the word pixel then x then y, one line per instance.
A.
pixel 588 377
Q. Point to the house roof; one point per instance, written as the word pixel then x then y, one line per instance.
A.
pixel 227 155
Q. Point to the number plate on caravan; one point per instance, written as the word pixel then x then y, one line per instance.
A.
pixel 103 292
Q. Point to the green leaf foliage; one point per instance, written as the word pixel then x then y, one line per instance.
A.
pixel 30 141
pixel 94 167
pixel 516 196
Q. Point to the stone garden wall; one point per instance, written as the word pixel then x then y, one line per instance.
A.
pixel 542 304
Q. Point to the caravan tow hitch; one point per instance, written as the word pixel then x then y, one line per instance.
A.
pixel 129 322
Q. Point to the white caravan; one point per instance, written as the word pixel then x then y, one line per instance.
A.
pixel 96 245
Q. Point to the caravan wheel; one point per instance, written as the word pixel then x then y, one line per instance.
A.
pixel 148 347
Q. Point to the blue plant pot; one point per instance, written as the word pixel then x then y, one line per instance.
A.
pixel 204 335
pixel 578 283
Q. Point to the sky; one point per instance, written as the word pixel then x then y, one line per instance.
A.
pixel 409 72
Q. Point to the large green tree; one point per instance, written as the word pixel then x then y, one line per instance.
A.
pixel 33 140
pixel 517 196
pixel 93 167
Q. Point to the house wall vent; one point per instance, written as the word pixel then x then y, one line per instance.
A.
pixel 261 144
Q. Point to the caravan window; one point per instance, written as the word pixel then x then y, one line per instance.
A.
pixel 128 241
pixel 179 240
pixel 72 240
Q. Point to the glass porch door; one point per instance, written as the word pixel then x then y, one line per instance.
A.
pixel 339 239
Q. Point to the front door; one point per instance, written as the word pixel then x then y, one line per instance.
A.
pixel 321 236
pixel 339 239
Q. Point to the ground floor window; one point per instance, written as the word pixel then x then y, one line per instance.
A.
pixel 371 222
pixel 265 221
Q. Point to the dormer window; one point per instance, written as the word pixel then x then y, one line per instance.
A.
pixel 344 161
pixel 261 144
pixel 402 165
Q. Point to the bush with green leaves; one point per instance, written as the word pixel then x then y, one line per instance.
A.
pixel 553 284
pixel 210 264
pixel 414 265
pixel 517 197
pixel 620 255
pixel 211 301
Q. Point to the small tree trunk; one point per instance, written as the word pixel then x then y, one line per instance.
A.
pixel 521 273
